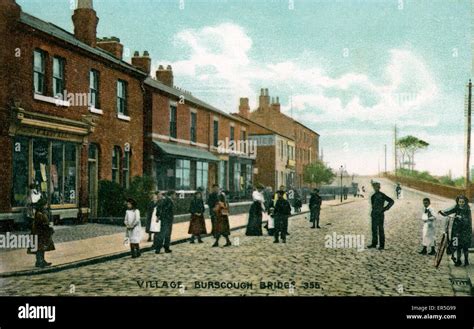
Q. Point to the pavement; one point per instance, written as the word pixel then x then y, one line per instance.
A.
pixel 311 263
pixel 94 243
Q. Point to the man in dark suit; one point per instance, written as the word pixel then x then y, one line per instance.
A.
pixel 315 207
pixel 378 201
pixel 212 200
pixel 166 217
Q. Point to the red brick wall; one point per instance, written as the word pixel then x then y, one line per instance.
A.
pixel 109 131
pixel 266 166
pixel 284 125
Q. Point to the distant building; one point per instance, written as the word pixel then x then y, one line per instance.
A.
pixel 268 114
pixel 275 164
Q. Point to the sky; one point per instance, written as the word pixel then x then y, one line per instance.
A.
pixel 350 70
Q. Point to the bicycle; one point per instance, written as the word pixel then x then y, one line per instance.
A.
pixel 444 244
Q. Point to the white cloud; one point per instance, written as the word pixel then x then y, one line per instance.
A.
pixel 217 66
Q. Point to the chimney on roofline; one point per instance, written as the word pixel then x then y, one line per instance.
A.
pixel 264 99
pixel 143 63
pixel 276 104
pixel 244 108
pixel 111 45
pixel 85 22
pixel 165 76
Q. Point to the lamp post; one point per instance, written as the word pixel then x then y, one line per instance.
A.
pixel 341 170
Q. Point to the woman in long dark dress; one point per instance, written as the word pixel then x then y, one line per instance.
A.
pixel 461 232
pixel 44 232
pixel 254 226
pixel 197 225
pixel 222 221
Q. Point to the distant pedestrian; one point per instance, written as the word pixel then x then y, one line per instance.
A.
pixel 151 210
pixel 254 226
pixel 282 211
pixel 378 200
pixel 268 196
pixel 398 190
pixel 297 203
pixel 166 217
pixel 345 191
pixel 197 225
pixel 282 189
pixel 429 230
pixel 44 232
pixel 222 227
pixel 461 232
pixel 134 227
pixel 212 200
pixel 315 202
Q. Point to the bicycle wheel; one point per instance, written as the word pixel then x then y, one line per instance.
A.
pixel 441 249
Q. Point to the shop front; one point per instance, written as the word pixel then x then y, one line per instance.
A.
pixel 240 178
pixel 182 168
pixel 46 156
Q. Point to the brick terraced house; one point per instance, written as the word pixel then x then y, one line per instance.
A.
pixel 188 142
pixel 275 163
pixel 268 114
pixel 71 112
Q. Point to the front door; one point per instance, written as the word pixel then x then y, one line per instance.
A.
pixel 93 180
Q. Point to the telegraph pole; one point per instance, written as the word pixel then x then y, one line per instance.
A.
pixel 395 148
pixel 468 139
pixel 385 150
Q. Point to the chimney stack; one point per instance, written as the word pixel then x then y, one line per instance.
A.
pixel 264 99
pixel 244 108
pixel 276 104
pixel 111 45
pixel 85 22
pixel 165 76
pixel 143 63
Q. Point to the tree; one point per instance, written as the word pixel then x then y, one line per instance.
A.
pixel 318 173
pixel 408 146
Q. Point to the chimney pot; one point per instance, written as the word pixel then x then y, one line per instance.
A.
pixel 146 53
pixel 84 4
pixel 85 22
pixel 165 76
pixel 136 54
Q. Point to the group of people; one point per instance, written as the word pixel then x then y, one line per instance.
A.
pixel 461 228
pixel 277 210
pixel 160 216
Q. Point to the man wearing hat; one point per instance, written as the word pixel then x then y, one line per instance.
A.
pixel 315 208
pixel 378 200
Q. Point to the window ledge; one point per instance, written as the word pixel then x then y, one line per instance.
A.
pixel 173 139
pixel 123 117
pixel 92 109
pixel 51 100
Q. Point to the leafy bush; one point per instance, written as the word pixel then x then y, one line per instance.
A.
pixel 140 190
pixel 111 199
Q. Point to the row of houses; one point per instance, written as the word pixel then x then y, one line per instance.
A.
pixel 74 112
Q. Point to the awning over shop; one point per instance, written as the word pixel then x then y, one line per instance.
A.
pixel 185 151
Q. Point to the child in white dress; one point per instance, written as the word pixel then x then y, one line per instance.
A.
pixel 429 230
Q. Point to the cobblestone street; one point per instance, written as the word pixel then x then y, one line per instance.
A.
pixel 315 269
